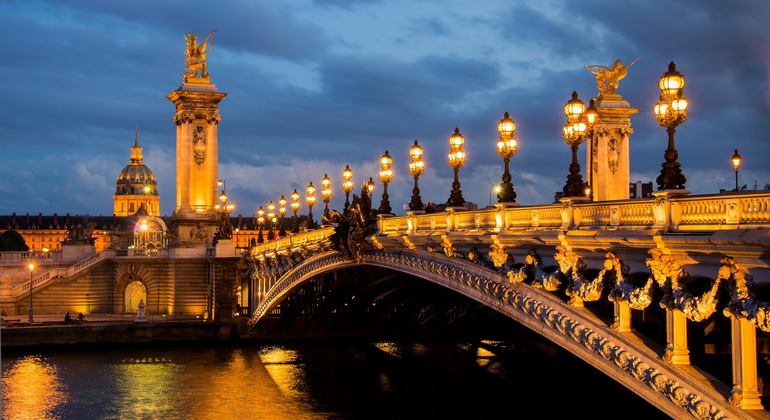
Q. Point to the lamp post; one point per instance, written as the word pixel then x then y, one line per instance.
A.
pixel 579 122
pixel 670 112
pixel 295 209
pixel 310 201
pixel 497 189
pixel 506 148
pixel 347 184
pixel 260 223
pixel 224 208
pixel 416 168
pixel 456 159
pixel 326 193
pixel 282 213
pixel 386 175
pixel 236 237
pixel 271 219
pixel 736 164
pixel 31 269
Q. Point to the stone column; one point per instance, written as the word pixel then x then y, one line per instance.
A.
pixel 197 155
pixel 607 151
pixel 622 316
pixel 745 392
pixel 677 352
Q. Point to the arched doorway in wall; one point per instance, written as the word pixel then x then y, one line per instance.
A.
pixel 135 292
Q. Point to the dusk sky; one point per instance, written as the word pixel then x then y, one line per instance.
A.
pixel 315 85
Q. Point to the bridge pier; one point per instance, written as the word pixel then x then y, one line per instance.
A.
pixel 677 352
pixel 745 392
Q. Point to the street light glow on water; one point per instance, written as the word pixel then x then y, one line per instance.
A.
pixel 310 379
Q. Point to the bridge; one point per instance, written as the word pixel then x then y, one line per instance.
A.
pixel 636 288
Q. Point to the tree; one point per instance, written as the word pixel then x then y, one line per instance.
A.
pixel 10 240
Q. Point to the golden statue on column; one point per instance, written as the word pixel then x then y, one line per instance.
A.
pixel 196 56
pixel 607 78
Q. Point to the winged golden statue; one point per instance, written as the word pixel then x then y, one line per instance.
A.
pixel 196 56
pixel 607 78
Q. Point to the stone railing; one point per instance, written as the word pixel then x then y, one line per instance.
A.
pixel 665 213
pixel 131 252
pixel 293 240
pixel 51 275
pixel 29 256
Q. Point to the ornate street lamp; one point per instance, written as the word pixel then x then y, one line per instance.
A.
pixel 736 164
pixel 326 193
pixel 260 223
pixel 295 209
pixel 31 267
pixel 310 201
pixel 580 122
pixel 282 213
pixel 506 148
pixel 456 159
pixel 271 219
pixel 670 112
pixel 386 175
pixel 225 230
pixel 347 184
pixel 416 168
pixel 369 188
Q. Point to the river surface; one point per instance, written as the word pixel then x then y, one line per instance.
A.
pixel 315 379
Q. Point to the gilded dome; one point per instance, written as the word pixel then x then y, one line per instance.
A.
pixel 136 173
pixel 136 178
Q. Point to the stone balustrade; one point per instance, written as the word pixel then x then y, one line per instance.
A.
pixel 666 213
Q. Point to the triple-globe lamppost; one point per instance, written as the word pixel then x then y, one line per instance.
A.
pixel 271 218
pixel 416 168
pixel 295 209
pixel 326 193
pixel 225 208
pixel 386 175
pixel 282 213
pixel 580 122
pixel 670 112
pixel 310 201
pixel 260 224
pixel 506 149
pixel 347 184
pixel 456 159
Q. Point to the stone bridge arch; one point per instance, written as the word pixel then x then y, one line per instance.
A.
pixel 620 356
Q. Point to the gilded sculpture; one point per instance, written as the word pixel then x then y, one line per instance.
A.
pixel 196 56
pixel 607 78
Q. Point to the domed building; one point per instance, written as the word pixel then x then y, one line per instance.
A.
pixel 136 186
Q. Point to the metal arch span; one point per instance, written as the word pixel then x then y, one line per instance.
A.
pixel 618 355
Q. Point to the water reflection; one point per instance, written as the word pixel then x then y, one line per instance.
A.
pixel 284 367
pixel 31 389
pixel 144 387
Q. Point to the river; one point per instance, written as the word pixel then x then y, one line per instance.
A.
pixel 314 379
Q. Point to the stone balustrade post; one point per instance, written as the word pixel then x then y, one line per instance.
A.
pixel 661 210
pixel 450 220
pixel 567 212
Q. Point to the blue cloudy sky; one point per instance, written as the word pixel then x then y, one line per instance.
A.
pixel 316 85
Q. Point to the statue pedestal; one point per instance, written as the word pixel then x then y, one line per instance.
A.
pixel 77 251
pixel 225 248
